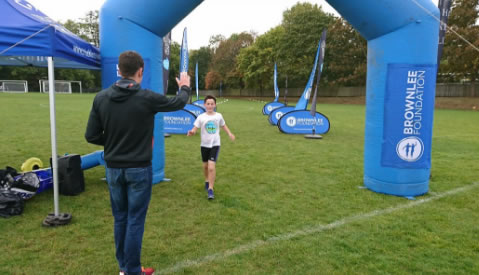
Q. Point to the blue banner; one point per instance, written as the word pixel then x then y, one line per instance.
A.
pixel 303 100
pixel 276 90
pixel 270 106
pixel 195 109
pixel 277 113
pixel 408 116
pixel 302 122
pixel 444 8
pixel 200 103
pixel 184 54
pixel 178 122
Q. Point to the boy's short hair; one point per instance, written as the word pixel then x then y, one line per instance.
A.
pixel 129 63
pixel 210 97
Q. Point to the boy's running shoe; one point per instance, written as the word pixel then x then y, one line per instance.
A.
pixel 147 271
pixel 211 195
pixel 207 185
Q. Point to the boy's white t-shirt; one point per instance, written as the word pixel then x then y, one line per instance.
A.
pixel 210 128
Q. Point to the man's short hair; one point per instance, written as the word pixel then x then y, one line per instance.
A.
pixel 129 62
pixel 210 97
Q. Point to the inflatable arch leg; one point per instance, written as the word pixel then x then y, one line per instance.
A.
pixel 401 78
pixel 140 25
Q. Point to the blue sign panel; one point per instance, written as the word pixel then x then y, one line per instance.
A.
pixel 178 122
pixel 270 106
pixel 277 113
pixel 195 109
pixel 409 102
pixel 302 122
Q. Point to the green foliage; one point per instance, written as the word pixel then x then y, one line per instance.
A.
pixel 224 59
pixel 256 63
pixel 460 60
pixel 274 193
pixel 212 80
pixel 31 74
pixel 86 28
pixel 292 45
pixel 203 58
pixel 174 67
pixel 346 56
pixel 303 24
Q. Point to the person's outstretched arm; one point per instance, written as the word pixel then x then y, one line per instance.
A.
pixel 232 137
pixel 192 131
pixel 161 103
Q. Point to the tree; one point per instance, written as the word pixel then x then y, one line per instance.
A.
pixel 203 57
pixel 174 67
pixel 212 80
pixel 256 63
pixel 224 58
pixel 461 59
pixel 215 41
pixel 302 24
pixel 87 28
pixel 346 55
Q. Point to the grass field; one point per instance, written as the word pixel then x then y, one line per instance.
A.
pixel 284 204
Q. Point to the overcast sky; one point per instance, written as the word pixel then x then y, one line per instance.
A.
pixel 211 17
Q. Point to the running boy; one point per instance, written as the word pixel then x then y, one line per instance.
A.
pixel 210 123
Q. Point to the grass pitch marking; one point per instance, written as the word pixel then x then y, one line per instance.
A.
pixel 311 230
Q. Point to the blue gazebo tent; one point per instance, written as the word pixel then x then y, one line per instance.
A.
pixel 30 38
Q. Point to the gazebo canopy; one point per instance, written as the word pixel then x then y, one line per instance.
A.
pixel 27 37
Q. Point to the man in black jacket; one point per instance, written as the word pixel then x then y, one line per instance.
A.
pixel 122 120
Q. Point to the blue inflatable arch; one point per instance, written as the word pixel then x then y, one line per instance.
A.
pixel 402 50
pixel 401 78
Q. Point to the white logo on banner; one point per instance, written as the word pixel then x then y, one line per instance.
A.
pixel 279 115
pixel 410 149
pixel 291 121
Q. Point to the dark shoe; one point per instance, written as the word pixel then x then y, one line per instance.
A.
pixel 207 185
pixel 211 195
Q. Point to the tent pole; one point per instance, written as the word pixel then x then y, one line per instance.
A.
pixel 51 90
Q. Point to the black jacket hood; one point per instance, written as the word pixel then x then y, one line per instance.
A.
pixel 123 89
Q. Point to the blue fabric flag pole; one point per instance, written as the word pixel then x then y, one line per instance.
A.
pixel 321 61
pixel 303 101
pixel 276 90
pixel 196 82
pixel 184 60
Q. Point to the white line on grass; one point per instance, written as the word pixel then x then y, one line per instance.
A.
pixel 309 231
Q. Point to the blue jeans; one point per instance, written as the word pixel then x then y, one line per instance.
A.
pixel 130 194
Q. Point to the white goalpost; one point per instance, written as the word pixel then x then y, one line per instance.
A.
pixel 14 86
pixel 61 86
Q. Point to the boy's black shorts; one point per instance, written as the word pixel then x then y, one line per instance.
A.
pixel 210 154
